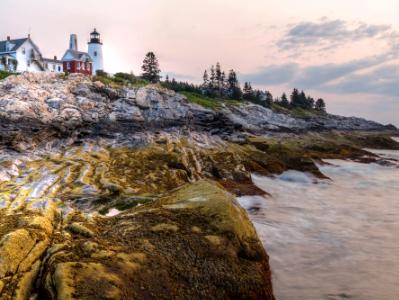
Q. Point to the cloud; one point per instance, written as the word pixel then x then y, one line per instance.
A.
pixel 327 32
pixel 394 41
pixel 380 81
pixel 370 75
pixel 314 76
pixel 374 75
pixel 272 75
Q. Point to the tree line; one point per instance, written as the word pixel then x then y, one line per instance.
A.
pixel 218 84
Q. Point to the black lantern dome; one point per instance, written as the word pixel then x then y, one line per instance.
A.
pixel 95 37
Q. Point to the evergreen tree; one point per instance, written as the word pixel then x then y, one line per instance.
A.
pixel 302 100
pixel 284 101
pixel 295 99
pixel 174 83
pixel 167 79
pixel 258 97
pixel 212 82
pixel 310 103
pixel 320 105
pixel 206 79
pixel 233 87
pixel 150 68
pixel 248 92
pixel 218 74
pixel 269 99
pixel 232 81
pixel 222 84
pixel 217 86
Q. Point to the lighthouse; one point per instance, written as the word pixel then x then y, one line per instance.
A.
pixel 96 51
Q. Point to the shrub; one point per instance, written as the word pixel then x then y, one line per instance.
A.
pixel 4 74
pixel 101 73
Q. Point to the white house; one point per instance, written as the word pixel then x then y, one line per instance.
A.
pixel 53 65
pixel 19 55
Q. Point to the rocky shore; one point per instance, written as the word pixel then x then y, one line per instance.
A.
pixel 128 193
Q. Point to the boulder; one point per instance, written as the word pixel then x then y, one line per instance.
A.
pixel 122 110
pixel 196 243
pixel 54 103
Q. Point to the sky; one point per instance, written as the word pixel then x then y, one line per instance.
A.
pixel 345 51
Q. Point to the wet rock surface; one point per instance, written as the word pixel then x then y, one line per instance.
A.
pixel 129 193
pixel 195 242
pixel 167 222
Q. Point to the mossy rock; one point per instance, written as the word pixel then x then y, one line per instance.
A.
pixel 194 243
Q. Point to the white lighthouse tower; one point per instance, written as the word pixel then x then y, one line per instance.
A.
pixel 96 51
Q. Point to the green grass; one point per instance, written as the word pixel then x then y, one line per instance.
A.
pixel 300 113
pixel 211 103
pixel 140 83
pixel 107 81
pixel 279 109
pixel 4 74
pixel 232 102
pixel 117 82
pixel 202 100
pixel 305 113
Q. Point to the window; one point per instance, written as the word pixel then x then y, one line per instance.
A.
pixel 59 69
pixel 78 66
pixel 83 66
pixel 23 51
pixel 54 67
pixel 68 65
pixel 95 53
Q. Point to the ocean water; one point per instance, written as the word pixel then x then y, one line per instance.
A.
pixel 335 239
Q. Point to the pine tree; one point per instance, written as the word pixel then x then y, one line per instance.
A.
pixel 269 99
pixel 233 87
pixel 231 80
pixel 320 105
pixel 222 80
pixel 248 92
pixel 212 78
pixel 206 79
pixel 218 74
pixel 310 103
pixel 302 100
pixel 284 101
pixel 295 99
pixel 167 79
pixel 174 83
pixel 150 68
pixel 258 97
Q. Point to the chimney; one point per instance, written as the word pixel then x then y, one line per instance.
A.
pixel 73 42
pixel 55 57
pixel 29 36
pixel 8 44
